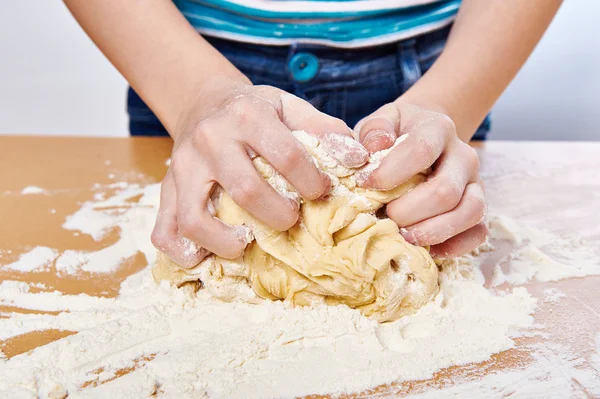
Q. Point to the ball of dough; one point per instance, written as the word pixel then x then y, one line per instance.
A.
pixel 338 253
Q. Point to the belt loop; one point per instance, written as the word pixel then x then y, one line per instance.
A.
pixel 408 61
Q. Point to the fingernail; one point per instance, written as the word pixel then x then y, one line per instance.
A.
pixel 345 150
pixel 377 140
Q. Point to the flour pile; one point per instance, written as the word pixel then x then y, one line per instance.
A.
pixel 175 343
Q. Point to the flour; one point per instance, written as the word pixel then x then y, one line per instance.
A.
pixel 29 190
pixel 185 344
pixel 98 218
pixel 596 357
pixel 36 259
pixel 550 375
pixel 189 247
pixel 553 295
pixel 539 255
pixel 331 166
pixel 334 349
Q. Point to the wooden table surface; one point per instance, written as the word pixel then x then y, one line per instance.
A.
pixel 550 185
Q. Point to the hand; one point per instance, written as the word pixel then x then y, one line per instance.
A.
pixel 214 145
pixel 447 210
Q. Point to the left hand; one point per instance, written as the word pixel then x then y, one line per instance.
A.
pixel 447 211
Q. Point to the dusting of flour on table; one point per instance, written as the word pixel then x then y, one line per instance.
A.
pixel 189 345
pixel 539 255
pixel 35 259
pixel 30 190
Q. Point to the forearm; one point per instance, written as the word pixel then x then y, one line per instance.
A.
pixel 164 59
pixel 488 44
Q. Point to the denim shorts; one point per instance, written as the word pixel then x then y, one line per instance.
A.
pixel 346 84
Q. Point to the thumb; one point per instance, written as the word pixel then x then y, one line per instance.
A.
pixel 379 130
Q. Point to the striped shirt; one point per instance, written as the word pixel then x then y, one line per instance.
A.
pixel 336 23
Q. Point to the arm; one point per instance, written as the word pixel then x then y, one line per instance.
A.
pixel 488 44
pixel 159 53
pixel 217 118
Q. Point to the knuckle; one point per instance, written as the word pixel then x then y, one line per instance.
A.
pixel 240 104
pixel 447 124
pixel 245 192
pixel 425 153
pixel 478 209
pixel 447 193
pixel 241 108
pixel 203 129
pixel 471 156
pixel 249 109
pixel 203 133
pixel 191 226
pixel 291 158
pixel 159 239
pixel 179 161
pixel 483 231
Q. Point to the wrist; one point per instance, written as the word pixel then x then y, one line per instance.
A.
pixel 465 117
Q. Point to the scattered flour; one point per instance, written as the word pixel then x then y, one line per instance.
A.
pixel 36 259
pixel 31 190
pixel 539 255
pixel 553 295
pixel 98 218
pixel 550 375
pixel 333 349
pixel 189 345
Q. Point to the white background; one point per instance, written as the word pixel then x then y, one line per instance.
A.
pixel 54 81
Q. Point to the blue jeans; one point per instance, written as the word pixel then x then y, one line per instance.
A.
pixel 347 84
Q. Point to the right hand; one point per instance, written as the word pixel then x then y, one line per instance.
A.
pixel 212 144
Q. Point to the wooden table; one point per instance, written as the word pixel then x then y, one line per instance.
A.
pixel 551 185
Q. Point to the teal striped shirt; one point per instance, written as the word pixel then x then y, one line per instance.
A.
pixel 336 23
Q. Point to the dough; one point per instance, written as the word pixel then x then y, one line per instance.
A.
pixel 338 253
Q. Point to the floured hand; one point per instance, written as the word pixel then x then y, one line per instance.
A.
pixel 445 212
pixel 217 138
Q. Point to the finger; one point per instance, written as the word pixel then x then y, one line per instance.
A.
pixel 165 235
pixel 379 130
pixel 250 191
pixel 462 243
pixel 333 133
pixel 443 189
pixel 425 140
pixel 279 147
pixel 470 211
pixel 194 220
